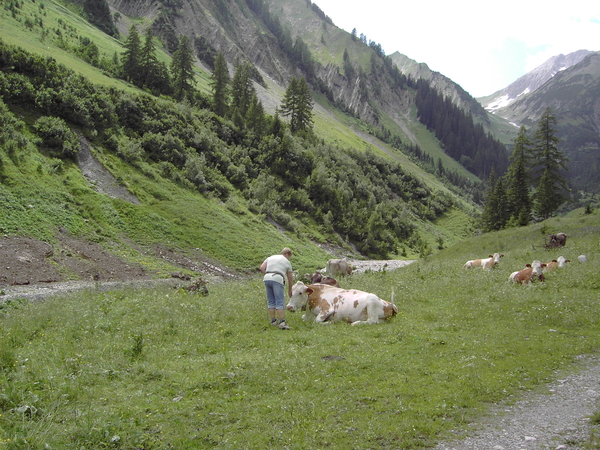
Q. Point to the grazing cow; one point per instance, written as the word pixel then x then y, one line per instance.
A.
pixel 557 240
pixel 486 263
pixel 532 272
pixel 338 267
pixel 320 279
pixel 328 304
pixel 556 264
pixel 582 258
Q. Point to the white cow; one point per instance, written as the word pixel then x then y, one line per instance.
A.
pixel 486 263
pixel 328 304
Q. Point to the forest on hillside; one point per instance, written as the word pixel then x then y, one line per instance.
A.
pixel 363 197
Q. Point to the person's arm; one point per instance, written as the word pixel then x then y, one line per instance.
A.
pixel 263 266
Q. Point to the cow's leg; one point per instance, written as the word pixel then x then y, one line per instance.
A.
pixel 322 318
pixel 374 313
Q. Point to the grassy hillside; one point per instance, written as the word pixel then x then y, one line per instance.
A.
pixel 229 232
pixel 169 369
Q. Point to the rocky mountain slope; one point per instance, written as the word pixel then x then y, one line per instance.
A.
pixel 531 81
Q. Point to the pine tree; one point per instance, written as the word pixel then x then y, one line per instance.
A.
pixel 241 90
pixel 298 105
pixel 548 161
pixel 148 60
pixel 546 196
pixel 182 70
pixel 130 58
pixel 517 180
pixel 220 86
pixel 495 211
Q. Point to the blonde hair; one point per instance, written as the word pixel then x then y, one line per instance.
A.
pixel 286 251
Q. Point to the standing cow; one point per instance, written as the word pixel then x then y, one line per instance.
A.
pixel 338 267
pixel 328 304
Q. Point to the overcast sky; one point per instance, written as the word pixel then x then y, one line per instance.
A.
pixel 482 46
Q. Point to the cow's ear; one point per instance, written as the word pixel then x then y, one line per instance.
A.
pixel 544 264
pixel 490 256
pixel 309 291
pixel 527 265
pixel 501 256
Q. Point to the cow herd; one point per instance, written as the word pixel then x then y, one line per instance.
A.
pixel 324 301
pixel 531 272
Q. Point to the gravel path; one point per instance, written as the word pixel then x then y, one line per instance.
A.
pixel 556 417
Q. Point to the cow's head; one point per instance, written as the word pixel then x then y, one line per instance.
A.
pixel 537 267
pixel 496 257
pixel 299 298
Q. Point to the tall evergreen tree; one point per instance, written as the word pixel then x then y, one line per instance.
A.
pixel 517 180
pixel 546 196
pixel 182 70
pixel 298 105
pixel 220 86
pixel 148 60
pixel 255 117
pixel 241 90
pixel 495 210
pixel 130 58
pixel 548 161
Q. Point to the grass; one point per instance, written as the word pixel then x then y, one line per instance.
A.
pixel 168 369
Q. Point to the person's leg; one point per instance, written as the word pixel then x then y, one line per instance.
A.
pixel 279 306
pixel 271 301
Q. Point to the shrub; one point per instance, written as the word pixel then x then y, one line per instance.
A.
pixel 56 135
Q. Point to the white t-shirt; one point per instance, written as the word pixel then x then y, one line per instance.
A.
pixel 277 268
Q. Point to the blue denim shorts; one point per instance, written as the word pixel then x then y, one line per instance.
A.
pixel 275 296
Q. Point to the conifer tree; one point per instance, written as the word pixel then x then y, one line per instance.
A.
pixel 241 90
pixel 130 58
pixel 298 105
pixel 495 211
pixel 548 161
pixel 517 180
pixel 220 86
pixel 255 117
pixel 182 70
pixel 148 59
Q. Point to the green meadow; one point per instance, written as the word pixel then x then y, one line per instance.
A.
pixel 165 368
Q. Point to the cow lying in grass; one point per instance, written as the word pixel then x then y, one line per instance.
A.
pixel 532 272
pixel 486 263
pixel 556 264
pixel 327 304
pixel 321 279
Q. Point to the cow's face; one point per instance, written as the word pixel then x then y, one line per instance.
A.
pixel 299 298
pixel 537 267
pixel 497 257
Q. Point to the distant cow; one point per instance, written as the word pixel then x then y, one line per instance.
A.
pixel 486 263
pixel 338 267
pixel 532 272
pixel 557 240
pixel 556 264
pixel 322 279
pixel 328 304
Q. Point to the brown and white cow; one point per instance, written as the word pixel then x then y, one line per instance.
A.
pixel 338 267
pixel 322 279
pixel 532 272
pixel 328 304
pixel 556 264
pixel 486 263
